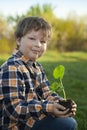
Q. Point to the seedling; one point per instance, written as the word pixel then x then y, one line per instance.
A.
pixel 58 74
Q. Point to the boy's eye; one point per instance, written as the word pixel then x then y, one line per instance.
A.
pixel 43 42
pixel 31 38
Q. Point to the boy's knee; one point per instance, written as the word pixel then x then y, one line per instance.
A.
pixel 72 124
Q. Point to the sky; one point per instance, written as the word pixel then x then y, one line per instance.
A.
pixel 62 8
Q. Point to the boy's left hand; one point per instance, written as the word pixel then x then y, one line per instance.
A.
pixel 74 108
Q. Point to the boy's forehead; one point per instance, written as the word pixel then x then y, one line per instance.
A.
pixel 40 32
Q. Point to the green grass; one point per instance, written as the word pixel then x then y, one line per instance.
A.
pixel 75 78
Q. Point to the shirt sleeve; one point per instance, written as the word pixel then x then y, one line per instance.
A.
pixel 46 95
pixel 15 103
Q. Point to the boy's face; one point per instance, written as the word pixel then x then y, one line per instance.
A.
pixel 33 44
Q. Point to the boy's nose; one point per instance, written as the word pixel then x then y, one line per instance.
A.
pixel 38 44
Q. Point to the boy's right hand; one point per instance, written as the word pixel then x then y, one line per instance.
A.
pixel 60 111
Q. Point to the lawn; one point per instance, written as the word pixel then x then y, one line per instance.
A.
pixel 75 78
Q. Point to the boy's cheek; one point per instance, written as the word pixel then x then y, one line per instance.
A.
pixel 41 53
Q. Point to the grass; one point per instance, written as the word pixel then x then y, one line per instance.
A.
pixel 75 81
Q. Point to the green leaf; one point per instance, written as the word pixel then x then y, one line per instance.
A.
pixel 59 72
pixel 54 86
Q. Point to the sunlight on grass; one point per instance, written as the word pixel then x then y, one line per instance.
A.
pixel 56 56
pixel 4 56
pixel 68 56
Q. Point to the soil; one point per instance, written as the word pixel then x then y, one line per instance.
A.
pixel 67 103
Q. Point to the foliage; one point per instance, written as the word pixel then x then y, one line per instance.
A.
pixel 67 34
pixel 58 74
pixel 3 26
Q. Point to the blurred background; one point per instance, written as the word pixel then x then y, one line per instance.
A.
pixel 68 45
pixel 67 18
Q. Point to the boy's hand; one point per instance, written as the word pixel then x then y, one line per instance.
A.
pixel 69 104
pixel 61 111
pixel 74 106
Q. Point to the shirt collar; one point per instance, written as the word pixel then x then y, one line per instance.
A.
pixel 19 54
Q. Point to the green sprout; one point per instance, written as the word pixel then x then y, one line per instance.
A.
pixel 58 74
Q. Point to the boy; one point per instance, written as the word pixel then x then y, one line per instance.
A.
pixel 26 103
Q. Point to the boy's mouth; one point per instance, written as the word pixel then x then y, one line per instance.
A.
pixel 35 51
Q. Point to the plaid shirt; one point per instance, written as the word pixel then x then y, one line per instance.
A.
pixel 24 93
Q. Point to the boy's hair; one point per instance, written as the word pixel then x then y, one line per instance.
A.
pixel 32 23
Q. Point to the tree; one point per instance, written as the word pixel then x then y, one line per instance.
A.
pixel 3 26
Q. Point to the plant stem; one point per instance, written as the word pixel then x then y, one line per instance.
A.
pixel 64 94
